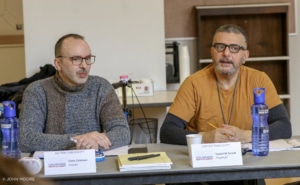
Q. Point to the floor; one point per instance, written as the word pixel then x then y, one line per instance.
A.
pixel 282 181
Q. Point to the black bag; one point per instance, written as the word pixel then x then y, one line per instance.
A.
pixel 8 90
pixel 14 91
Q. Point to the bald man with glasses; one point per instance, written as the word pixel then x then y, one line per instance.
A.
pixel 72 108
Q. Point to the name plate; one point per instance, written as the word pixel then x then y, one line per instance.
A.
pixel 216 154
pixel 69 162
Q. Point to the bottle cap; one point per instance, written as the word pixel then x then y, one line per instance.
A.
pixel 9 109
pixel 259 95
pixel 99 156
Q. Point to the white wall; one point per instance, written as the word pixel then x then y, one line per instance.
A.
pixel 294 46
pixel 127 36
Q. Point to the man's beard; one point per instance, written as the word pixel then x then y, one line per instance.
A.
pixel 228 72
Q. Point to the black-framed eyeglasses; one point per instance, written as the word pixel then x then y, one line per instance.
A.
pixel 233 48
pixel 77 60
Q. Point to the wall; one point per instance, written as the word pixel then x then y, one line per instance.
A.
pixel 11 17
pixel 294 45
pixel 187 38
pixel 180 16
pixel 12 63
pixel 12 58
pixel 126 36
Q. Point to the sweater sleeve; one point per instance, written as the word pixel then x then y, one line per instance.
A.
pixel 279 123
pixel 113 121
pixel 32 123
pixel 173 130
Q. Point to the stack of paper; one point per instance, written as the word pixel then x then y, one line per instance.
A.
pixel 279 145
pixel 154 163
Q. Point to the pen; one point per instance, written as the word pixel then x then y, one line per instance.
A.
pixel 141 157
pixel 212 125
pixel 74 140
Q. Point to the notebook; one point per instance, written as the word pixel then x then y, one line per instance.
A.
pixel 154 163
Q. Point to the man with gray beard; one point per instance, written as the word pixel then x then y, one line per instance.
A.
pixel 222 94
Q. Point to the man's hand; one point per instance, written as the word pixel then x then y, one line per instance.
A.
pixel 227 134
pixel 219 135
pixel 92 140
pixel 244 136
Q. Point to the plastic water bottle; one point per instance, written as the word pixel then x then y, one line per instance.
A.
pixel 1 111
pixel 10 130
pixel 260 127
pixel 1 117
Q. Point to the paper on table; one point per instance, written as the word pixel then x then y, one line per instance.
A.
pixel 279 145
pixel 38 154
pixel 294 142
pixel 113 152
pixel 117 151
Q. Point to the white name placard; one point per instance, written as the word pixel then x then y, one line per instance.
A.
pixel 69 162
pixel 216 154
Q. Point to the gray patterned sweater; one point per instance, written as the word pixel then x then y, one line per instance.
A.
pixel 52 112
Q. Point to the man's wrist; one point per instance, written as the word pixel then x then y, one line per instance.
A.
pixel 248 136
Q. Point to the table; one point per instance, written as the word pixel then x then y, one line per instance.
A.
pixel 275 165
pixel 159 99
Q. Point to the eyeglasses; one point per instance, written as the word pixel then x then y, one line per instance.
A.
pixel 77 60
pixel 233 48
